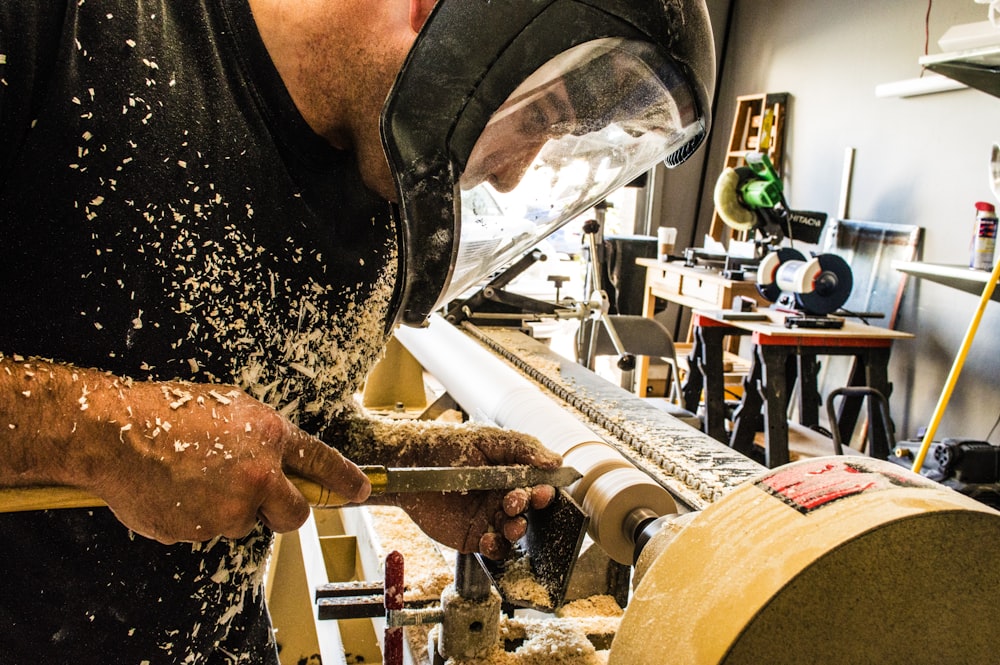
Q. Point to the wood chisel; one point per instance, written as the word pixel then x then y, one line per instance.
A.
pixel 384 481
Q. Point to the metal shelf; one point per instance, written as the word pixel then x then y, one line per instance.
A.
pixel 977 68
pixel 958 277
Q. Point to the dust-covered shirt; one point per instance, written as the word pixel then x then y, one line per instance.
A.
pixel 166 213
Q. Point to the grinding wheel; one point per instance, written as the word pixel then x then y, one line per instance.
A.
pixel 829 560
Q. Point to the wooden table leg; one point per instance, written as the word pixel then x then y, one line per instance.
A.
pixel 809 399
pixel 694 382
pixel 642 366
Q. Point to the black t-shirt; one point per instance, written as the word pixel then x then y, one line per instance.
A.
pixel 165 213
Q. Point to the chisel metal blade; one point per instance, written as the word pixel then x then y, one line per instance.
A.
pixel 462 478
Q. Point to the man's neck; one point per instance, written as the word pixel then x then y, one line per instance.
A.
pixel 303 38
pixel 338 59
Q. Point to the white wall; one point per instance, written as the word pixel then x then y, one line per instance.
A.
pixel 918 161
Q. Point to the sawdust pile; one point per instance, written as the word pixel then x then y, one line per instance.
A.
pixel 426 571
pixel 519 583
pixel 548 642
pixel 594 606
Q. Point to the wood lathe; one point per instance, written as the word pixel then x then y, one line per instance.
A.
pixel 706 556
pixel 838 559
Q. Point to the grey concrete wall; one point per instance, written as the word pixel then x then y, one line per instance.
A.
pixel 919 160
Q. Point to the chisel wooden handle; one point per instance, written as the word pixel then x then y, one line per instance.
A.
pixel 383 480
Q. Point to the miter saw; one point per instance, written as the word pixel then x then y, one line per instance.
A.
pixel 751 199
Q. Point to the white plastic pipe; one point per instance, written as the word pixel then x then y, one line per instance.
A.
pixel 490 390
pixel 486 387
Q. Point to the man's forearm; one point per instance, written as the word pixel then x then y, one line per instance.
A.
pixel 173 460
pixel 47 428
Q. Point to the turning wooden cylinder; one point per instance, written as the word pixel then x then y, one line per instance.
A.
pixel 830 560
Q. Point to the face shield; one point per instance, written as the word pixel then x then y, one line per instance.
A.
pixel 586 123
pixel 566 104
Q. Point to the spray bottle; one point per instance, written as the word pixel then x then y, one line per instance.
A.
pixel 984 240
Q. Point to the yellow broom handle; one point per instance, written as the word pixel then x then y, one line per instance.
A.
pixel 956 369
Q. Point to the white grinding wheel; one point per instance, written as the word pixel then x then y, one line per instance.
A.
pixel 592 460
pixel 612 498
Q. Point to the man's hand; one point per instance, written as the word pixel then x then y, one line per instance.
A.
pixel 174 461
pixel 209 460
pixel 484 521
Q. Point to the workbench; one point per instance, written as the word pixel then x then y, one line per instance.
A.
pixel 781 355
pixel 691 287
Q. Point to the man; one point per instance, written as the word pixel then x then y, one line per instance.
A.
pixel 199 268
pixel 201 265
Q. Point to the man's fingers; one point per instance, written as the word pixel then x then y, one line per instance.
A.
pixel 237 527
pixel 515 528
pixel 516 501
pixel 284 508
pixel 542 496
pixel 544 458
pixel 519 499
pixel 493 546
pixel 311 458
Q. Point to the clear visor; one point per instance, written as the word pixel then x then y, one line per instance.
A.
pixel 589 121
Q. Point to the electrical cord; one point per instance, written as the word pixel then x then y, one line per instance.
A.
pixel 993 429
pixel 927 26
pixel 927 33
pixel 854 315
pixel 785 208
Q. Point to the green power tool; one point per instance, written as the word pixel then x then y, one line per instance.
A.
pixel 740 192
pixel 752 197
